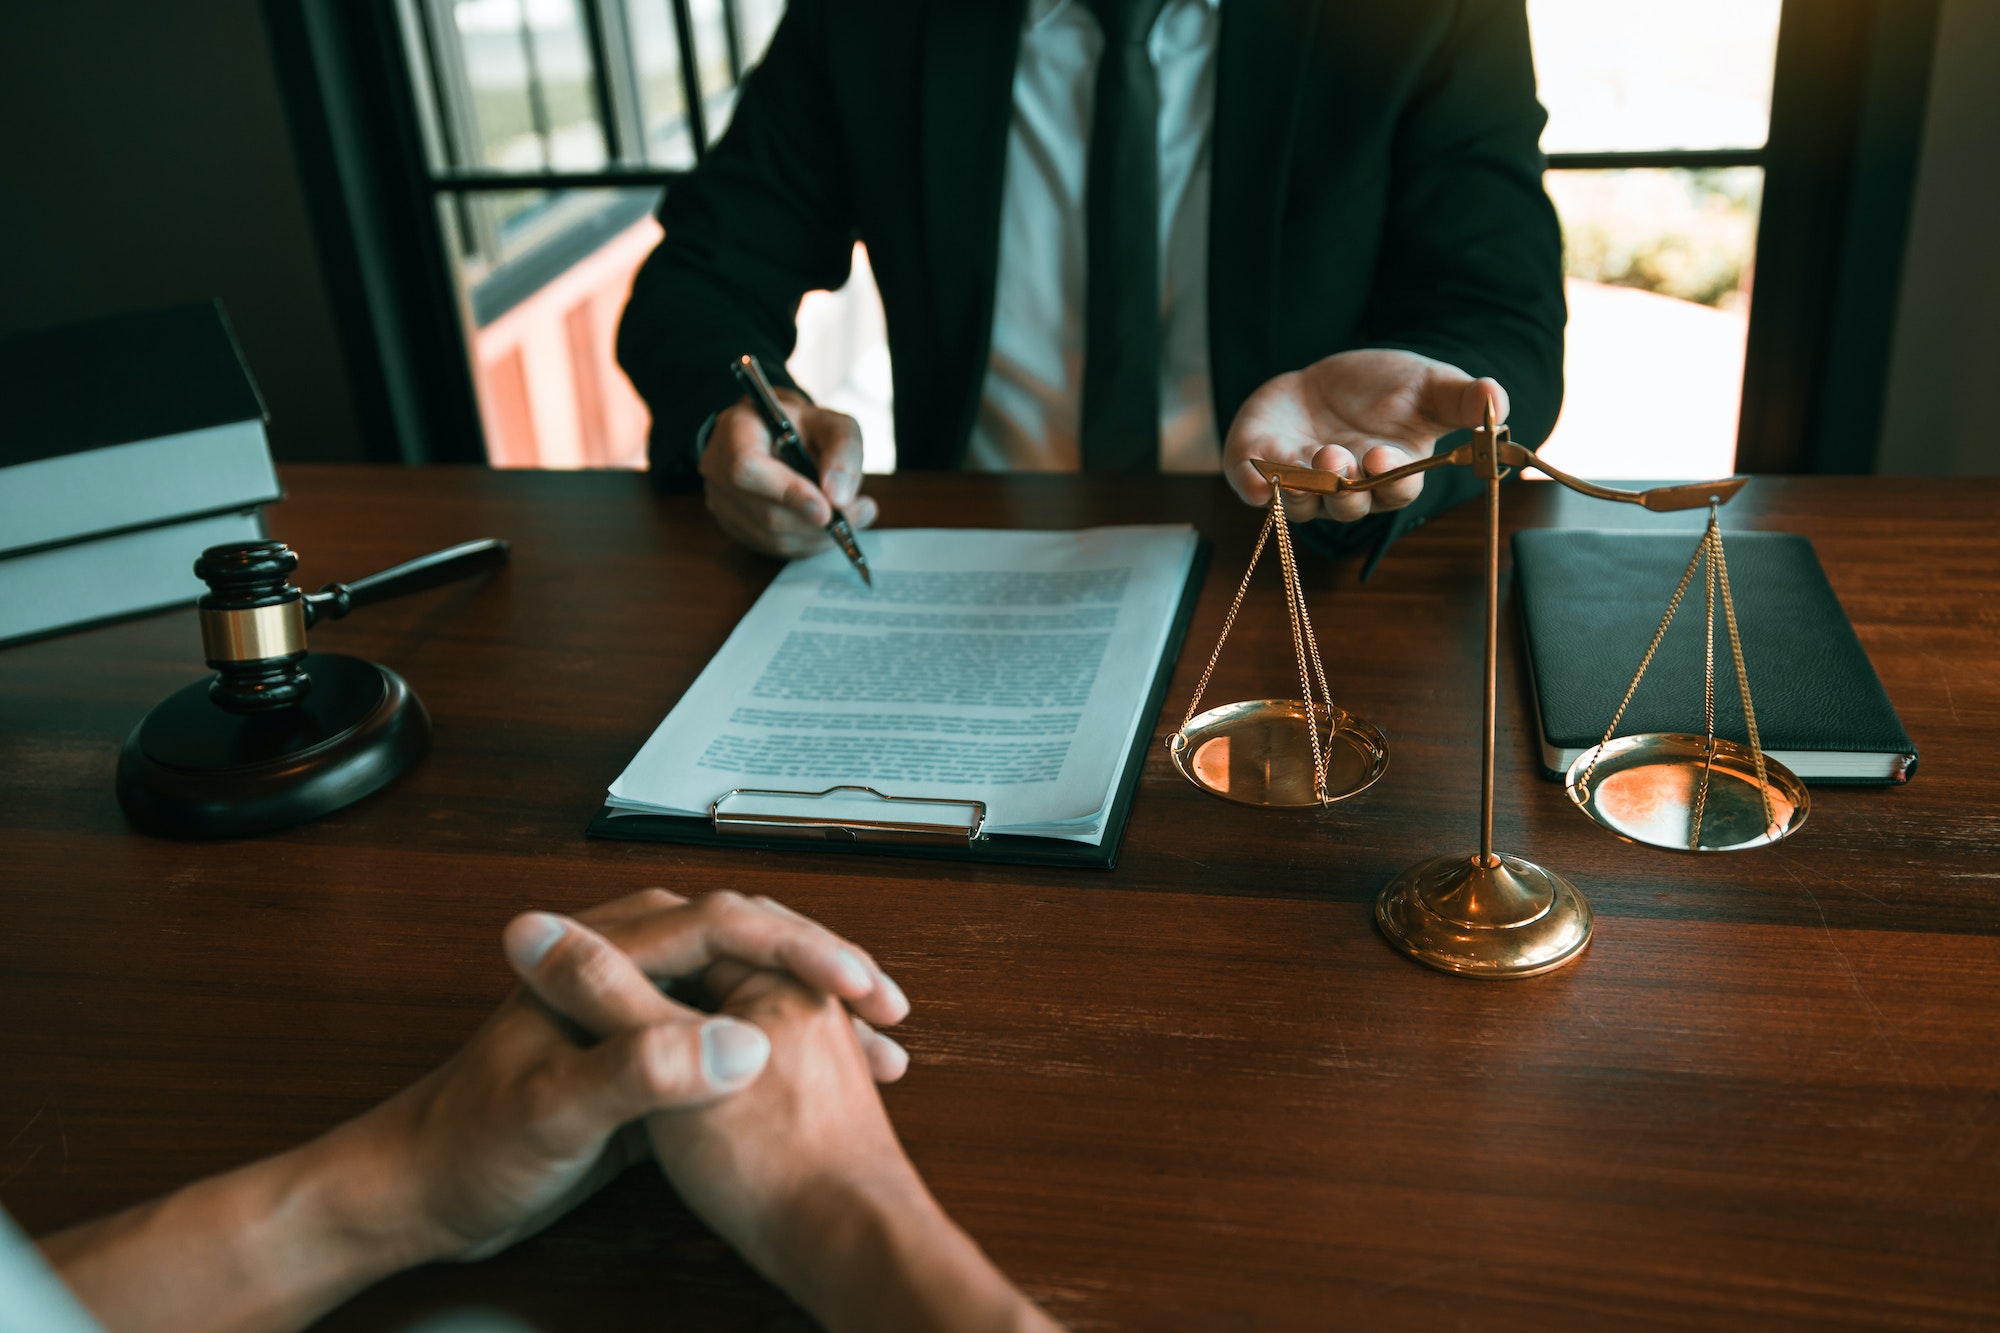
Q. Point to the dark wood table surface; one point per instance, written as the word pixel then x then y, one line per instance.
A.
pixel 1197 1092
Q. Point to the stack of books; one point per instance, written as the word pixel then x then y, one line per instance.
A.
pixel 127 445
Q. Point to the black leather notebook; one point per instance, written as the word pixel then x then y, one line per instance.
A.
pixel 1590 602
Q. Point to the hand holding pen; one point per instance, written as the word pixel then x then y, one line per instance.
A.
pixel 791 451
pixel 769 506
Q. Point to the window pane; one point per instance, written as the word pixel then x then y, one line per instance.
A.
pixel 1685 234
pixel 656 63
pixel 503 223
pixel 1626 75
pixel 712 57
pixel 569 83
pixel 542 330
pixel 496 66
pixel 760 20
pixel 1659 275
pixel 533 99
pixel 517 221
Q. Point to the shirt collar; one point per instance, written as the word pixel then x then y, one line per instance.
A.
pixel 1041 11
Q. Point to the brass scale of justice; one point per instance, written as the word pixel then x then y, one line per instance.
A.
pixel 1484 913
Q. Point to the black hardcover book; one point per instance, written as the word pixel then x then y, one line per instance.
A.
pixel 125 423
pixel 1591 601
pixel 120 379
pixel 127 444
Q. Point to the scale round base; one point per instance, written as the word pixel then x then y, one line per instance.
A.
pixel 1259 752
pixel 1510 918
pixel 1646 789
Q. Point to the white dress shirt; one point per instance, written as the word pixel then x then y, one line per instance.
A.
pixel 1030 403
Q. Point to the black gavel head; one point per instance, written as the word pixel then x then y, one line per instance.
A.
pixel 253 626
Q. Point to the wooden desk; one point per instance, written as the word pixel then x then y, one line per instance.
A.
pixel 1197 1092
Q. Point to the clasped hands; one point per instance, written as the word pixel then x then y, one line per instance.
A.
pixel 590 1044
pixel 763 1115
pixel 1363 412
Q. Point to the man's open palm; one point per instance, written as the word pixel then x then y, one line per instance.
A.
pixel 1384 408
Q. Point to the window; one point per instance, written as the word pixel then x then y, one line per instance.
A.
pixel 549 128
pixel 1659 111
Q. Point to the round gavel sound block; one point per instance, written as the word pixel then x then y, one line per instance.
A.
pixel 278 735
pixel 194 770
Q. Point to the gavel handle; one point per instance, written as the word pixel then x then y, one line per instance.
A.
pixel 426 571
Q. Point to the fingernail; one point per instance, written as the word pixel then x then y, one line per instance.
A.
pixel 895 993
pixel 853 972
pixel 732 1051
pixel 899 1055
pixel 530 941
pixel 841 487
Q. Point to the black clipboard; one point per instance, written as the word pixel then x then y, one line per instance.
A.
pixel 953 841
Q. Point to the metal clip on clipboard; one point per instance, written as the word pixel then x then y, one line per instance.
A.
pixel 831 823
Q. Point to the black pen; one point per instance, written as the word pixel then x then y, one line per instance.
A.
pixel 791 451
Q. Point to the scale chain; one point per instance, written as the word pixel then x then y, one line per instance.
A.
pixel 1709 554
pixel 1743 681
pixel 1302 634
pixel 1228 623
pixel 1711 540
pixel 1305 644
pixel 1673 605
pixel 1326 696
pixel 1708 668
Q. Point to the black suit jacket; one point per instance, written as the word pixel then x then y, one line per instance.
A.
pixel 1376 182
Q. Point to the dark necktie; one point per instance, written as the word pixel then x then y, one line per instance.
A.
pixel 1120 425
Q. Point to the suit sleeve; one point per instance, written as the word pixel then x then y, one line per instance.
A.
pixel 764 219
pixel 1470 270
pixel 1471 265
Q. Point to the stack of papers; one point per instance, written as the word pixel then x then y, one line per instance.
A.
pixel 1005 668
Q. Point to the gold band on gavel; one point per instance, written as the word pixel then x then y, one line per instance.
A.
pixel 247 636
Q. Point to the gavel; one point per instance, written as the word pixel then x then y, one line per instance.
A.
pixel 279 734
pixel 254 622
